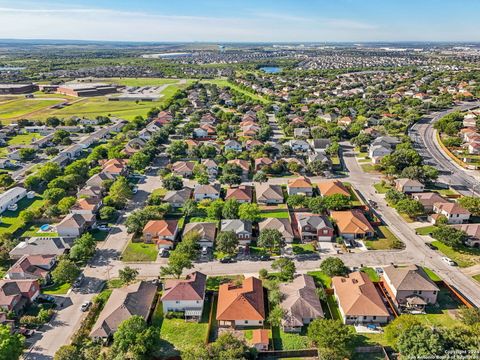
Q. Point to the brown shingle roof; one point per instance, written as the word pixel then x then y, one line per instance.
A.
pixel 191 288
pixel 351 222
pixel 333 187
pixel 409 278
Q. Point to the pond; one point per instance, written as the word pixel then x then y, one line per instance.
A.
pixel 271 69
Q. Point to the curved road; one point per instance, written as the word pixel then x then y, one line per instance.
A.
pixel 424 138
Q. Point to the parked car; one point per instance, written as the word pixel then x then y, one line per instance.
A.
pixel 431 246
pixel 103 227
pixel 25 332
pixel 42 298
pixel 449 261
pixel 164 253
pixel 265 258
pixel 85 306
pixel 227 260
pixel 134 190
pixel 379 270
pixel 78 282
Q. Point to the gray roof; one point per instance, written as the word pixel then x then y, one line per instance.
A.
pixel 123 303
pixel 207 230
pixel 300 301
pixel 282 225
pixel 41 246
pixel 176 196
pixel 321 143
pixel 314 220
pixel 318 156
pixel 409 278
pixel 236 225
pixel 266 191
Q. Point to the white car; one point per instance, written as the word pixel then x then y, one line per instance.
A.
pixel 135 190
pixel 103 228
pixel 449 261
pixel 85 306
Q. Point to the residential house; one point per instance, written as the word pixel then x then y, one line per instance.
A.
pixel 358 300
pixel 251 144
pixel 206 230
pixel 314 227
pixel 211 167
pixel 300 303
pixel 241 305
pixel 72 225
pixel 378 152
pixel 11 197
pixel 73 151
pixel 333 187
pixel 185 295
pixel 86 206
pixel 123 303
pixel 232 145
pixel 97 180
pixel 300 186
pixel 242 164
pixel 176 198
pixel 241 228
pixel 260 163
pixel 301 133
pixel 319 156
pixel 241 193
pixel 299 145
pixel 268 194
pixel 32 267
pixel 41 246
pixel 427 199
pixel 90 191
pixel 282 225
pixel 409 287
pixel 473 233
pixel 454 213
pixel 183 168
pixel 320 145
pixel 260 339
pixel 16 294
pixel 409 186
pixel 114 167
pixel 210 192
pixel 5 163
pixel 161 232
pixel 352 224
pixel 345 121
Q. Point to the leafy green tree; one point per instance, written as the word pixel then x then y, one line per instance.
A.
pixel 286 267
pixel 11 345
pixel 449 236
pixel 249 212
pixel 419 340
pixel 317 167
pixel 276 315
pixel 5 180
pixel 271 239
pixel 27 154
pixel 230 179
pixel 135 339
pixel 66 203
pixel 108 213
pixel 54 195
pixel 177 148
pixel 139 161
pixel 230 209
pixel 189 208
pixel 120 192
pixel 226 347
pixel 333 266
pixel 398 326
pixel 65 272
pixel 470 203
pixel 215 209
pixel 317 205
pixel 83 248
pixel 260 177
pixel 297 201
pixel 67 352
pixel 177 262
pixel 393 196
pixel 337 202
pixel 79 168
pixel 172 182
pixel 469 316
pixel 332 338
pixel 127 275
pixel 227 242
pixel 411 207
pixel 49 171
pixel 33 182
pixel 137 220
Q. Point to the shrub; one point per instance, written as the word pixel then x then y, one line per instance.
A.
pixel 175 315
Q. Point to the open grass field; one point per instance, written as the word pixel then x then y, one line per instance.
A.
pixel 56 289
pixel 321 278
pixel 425 230
pixel 290 341
pixel 386 240
pixel 139 81
pixel 23 139
pixel 140 252
pixel 464 256
pixel 280 213
pixel 223 83
pixel 476 277
pixel 11 222
pixel 20 107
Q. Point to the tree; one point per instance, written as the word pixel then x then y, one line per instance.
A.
pixel 276 315
pixel 177 262
pixel 230 179
pixel 177 148
pixel 469 316
pixel 337 202
pixel 260 177
pixel 172 182
pixel 411 207
pixel 135 338
pixel 139 161
pixel 398 326
pixel 79 168
pixel 317 205
pixel 227 346
pixel 49 171
pixel 271 238
pixel 189 208
pixel 5 180
pixel 470 203
pixel 215 209
pixel 249 212
pixel 27 154
pixel 227 242
pixel 83 248
pixel 27 216
pixel 127 275
pixel 332 338
pixel 449 236
pixel 230 209
pixel 66 203
pixel 419 341
pixel 54 195
pixel 67 352
pixel 393 196
pixel 297 201
pixel 120 192
pixel 333 266
pixel 65 272
pixel 108 213
pixel 11 345
pixel 33 182
pixel 317 167
pixel 137 220
pixel 286 267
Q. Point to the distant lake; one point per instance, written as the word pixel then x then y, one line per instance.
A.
pixel 6 68
pixel 271 69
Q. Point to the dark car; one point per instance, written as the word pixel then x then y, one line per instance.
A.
pixel 265 258
pixel 25 332
pixel 227 260
pixel 431 246
pixel 42 298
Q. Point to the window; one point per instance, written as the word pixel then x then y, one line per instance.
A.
pixel 374 318
pixel 177 302
pixel 364 318
pixel 325 232
pixel 246 322
pixel 420 292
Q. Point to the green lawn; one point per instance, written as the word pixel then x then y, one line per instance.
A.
pixel 140 252
pixel 214 282
pixel 290 341
pixel 431 274
pixel 386 240
pixel 34 230
pixel 372 274
pixel 381 188
pixel 333 307
pixel 369 168
pixel 20 107
pixel 23 139
pixel 251 94
pixel 464 256
pixel 425 230
pixel 303 249
pixel 275 213
pixel 321 278
pixel 56 289
pixel 476 277
pixel 11 222
pixel 181 334
pixel 159 192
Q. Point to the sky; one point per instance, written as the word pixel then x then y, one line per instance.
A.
pixel 242 21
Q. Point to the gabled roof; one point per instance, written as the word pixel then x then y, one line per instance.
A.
pixel 282 225
pixel 73 221
pixel 241 302
pixel 300 301
pixel 32 265
pixel 181 195
pixel 135 299
pixel 268 192
pixel 236 225
pixel 451 208
pixel 190 288
pixel 409 278
pixel 242 192
pixel 351 222
pixel 161 227
pixel 333 187
pixel 358 296
pixel 206 189
pixel 300 182
pixel 207 230
pixel 314 220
